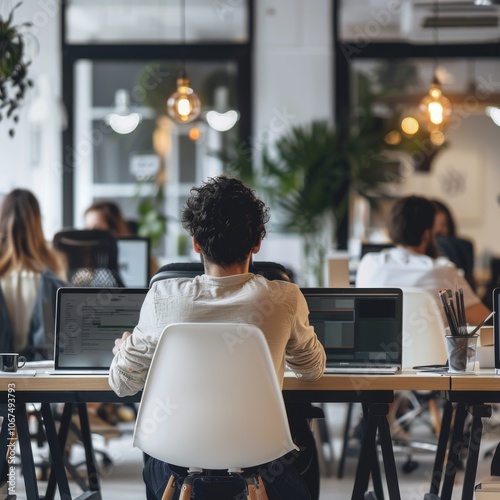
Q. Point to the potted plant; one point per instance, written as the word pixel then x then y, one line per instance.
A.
pixel 14 78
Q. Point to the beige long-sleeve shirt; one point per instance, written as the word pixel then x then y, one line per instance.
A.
pixel 278 308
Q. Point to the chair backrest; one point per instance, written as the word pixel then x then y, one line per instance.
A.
pixel 92 257
pixel 212 399
pixel 424 340
pixel 270 270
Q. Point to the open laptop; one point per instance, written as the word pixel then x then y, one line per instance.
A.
pixel 361 329
pixel 133 260
pixel 88 320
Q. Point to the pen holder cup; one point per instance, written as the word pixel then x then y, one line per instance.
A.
pixel 461 353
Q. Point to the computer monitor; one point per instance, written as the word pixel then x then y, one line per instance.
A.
pixel 133 261
pixel 374 247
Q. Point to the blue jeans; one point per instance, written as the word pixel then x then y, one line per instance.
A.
pixel 282 481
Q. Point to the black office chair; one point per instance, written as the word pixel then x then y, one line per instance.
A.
pixel 270 270
pixel 92 257
pixel 297 412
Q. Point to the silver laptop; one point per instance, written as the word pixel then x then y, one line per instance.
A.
pixel 361 329
pixel 88 320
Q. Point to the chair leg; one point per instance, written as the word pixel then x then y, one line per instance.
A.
pixel 185 492
pixel 256 489
pixel 262 489
pixel 168 494
pixel 436 419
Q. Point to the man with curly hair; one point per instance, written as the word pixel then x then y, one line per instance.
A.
pixel 227 224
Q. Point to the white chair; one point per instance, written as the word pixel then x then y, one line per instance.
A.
pixel 212 401
pixel 424 340
pixel 424 343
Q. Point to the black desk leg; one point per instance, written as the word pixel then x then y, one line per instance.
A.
pixel 345 442
pixel 375 465
pixel 477 412
pixel 56 452
pixel 93 473
pixel 391 474
pixel 61 440
pixel 26 453
pixel 368 459
pixel 437 470
pixel 457 438
pixel 365 457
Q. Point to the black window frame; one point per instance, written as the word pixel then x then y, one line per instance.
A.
pixel 240 54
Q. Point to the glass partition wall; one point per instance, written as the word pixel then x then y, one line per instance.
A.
pixel 387 56
pixel 121 62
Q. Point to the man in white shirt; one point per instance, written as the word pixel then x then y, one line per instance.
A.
pixel 414 262
pixel 227 224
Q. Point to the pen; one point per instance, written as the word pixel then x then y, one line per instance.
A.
pixel 482 323
pixel 449 315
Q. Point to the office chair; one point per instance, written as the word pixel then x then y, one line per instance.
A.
pixel 297 412
pixel 92 257
pixel 236 392
pixel 423 344
pixel 270 270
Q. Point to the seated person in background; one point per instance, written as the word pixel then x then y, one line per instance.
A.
pixel 227 223
pixel 30 274
pixel 106 215
pixel 459 250
pixel 414 262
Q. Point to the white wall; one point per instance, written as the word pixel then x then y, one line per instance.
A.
pixel 24 161
pixel 293 82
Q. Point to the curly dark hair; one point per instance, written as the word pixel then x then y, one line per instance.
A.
pixel 410 217
pixel 226 219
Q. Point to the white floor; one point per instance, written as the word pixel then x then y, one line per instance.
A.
pixel 123 478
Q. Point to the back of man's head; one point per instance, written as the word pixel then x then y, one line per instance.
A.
pixel 410 217
pixel 226 219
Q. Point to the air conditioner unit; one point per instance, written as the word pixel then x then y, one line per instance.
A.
pixel 453 22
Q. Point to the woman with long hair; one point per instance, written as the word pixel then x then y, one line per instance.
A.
pixel 30 273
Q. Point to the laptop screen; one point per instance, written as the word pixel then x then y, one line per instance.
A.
pixel 88 320
pixel 133 261
pixel 357 325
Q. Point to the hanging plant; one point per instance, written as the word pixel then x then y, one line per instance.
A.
pixel 13 68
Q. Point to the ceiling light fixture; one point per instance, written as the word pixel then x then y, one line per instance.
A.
pixel 221 118
pixel 183 105
pixel 494 113
pixel 122 120
pixel 435 106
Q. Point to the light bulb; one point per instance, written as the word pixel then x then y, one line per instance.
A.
pixel 122 120
pixel 435 105
pixel 409 125
pixel 494 113
pixel 184 105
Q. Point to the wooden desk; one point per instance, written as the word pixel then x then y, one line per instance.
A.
pixel 375 392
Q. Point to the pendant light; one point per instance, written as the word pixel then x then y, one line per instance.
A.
pixel 435 106
pixel 122 120
pixel 183 105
